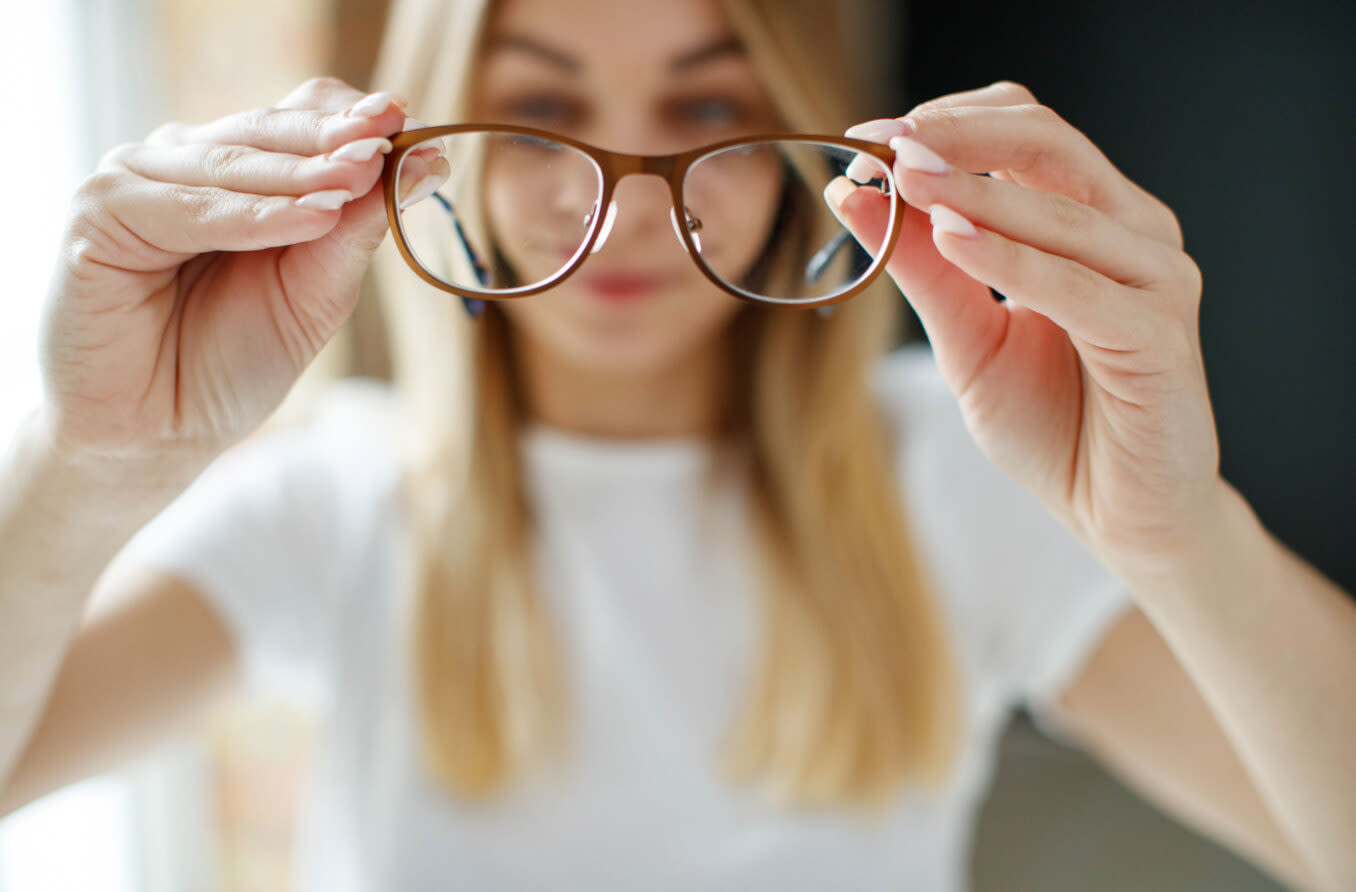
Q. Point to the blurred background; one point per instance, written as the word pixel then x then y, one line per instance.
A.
pixel 1239 116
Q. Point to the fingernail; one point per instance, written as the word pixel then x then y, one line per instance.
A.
pixel 865 167
pixel 949 221
pixel 413 124
pixel 836 192
pixel 373 106
pixel 916 156
pixel 329 200
pixel 422 189
pixel 882 130
pixel 361 150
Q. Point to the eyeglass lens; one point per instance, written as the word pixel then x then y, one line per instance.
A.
pixel 496 212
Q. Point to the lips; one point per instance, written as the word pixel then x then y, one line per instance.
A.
pixel 622 286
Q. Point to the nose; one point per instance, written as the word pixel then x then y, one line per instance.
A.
pixel 640 204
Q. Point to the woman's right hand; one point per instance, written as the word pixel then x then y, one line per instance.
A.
pixel 203 270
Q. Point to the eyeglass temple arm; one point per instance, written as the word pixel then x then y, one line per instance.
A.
pixel 824 256
pixel 473 307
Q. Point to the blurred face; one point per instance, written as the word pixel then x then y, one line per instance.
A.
pixel 638 76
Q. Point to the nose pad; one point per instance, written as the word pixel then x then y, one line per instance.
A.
pixel 694 225
pixel 607 225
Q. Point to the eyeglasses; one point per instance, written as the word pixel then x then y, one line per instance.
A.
pixel 491 212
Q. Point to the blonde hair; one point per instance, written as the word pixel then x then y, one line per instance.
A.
pixel 855 688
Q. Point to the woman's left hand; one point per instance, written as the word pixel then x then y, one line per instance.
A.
pixel 1087 385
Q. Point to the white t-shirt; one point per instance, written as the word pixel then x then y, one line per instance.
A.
pixel 296 538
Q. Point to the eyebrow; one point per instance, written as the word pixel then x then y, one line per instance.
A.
pixel 726 46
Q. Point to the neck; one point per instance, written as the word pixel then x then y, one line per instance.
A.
pixel 681 398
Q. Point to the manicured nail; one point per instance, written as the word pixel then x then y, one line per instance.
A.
pixel 422 189
pixel 374 106
pixel 864 167
pixel 836 192
pixel 882 130
pixel 916 156
pixel 413 124
pixel 949 221
pixel 361 150
pixel 328 200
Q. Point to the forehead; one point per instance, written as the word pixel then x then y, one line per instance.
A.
pixel 605 32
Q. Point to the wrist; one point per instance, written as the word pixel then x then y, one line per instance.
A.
pixel 1225 536
pixel 133 478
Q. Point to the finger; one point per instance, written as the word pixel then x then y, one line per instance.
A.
pixel 332 265
pixel 1089 306
pixel 1039 149
pixel 997 94
pixel 331 94
pixel 959 315
pixel 1001 93
pixel 174 219
pixel 419 178
pixel 353 167
pixel 292 131
pixel 1049 221
pixel 882 130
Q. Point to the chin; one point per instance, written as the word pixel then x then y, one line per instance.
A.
pixel 616 343
pixel 635 350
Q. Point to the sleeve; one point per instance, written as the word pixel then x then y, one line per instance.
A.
pixel 261 534
pixel 1030 603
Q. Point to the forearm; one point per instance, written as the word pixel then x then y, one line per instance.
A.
pixel 1271 644
pixel 61 523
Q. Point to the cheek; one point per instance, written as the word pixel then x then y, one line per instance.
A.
pixel 737 212
pixel 538 221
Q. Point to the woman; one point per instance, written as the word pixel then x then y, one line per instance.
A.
pixel 636 585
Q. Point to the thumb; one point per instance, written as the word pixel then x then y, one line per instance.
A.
pixel 332 266
pixel 962 320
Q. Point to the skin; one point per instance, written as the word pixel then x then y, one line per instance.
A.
pixel 194 287
pixel 645 79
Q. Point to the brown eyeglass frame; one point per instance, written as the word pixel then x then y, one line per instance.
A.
pixel 614 166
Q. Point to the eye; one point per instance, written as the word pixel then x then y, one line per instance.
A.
pixel 542 110
pixel 534 143
pixel 710 111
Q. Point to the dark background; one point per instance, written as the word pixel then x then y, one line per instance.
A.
pixel 1239 117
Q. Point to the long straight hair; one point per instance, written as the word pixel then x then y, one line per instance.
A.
pixel 855 689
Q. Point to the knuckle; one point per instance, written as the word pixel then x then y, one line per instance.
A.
pixel 940 120
pixel 325 84
pixel 1018 93
pixel 1044 114
pixel 193 204
pixel 221 161
pixel 1070 214
pixel 265 206
pixel 324 92
pixel 316 127
pixel 1080 283
pixel 93 232
pixel 368 241
pixel 1189 273
pixel 169 133
pixel 118 156
pixel 98 186
pixel 1169 225
pixel 256 121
